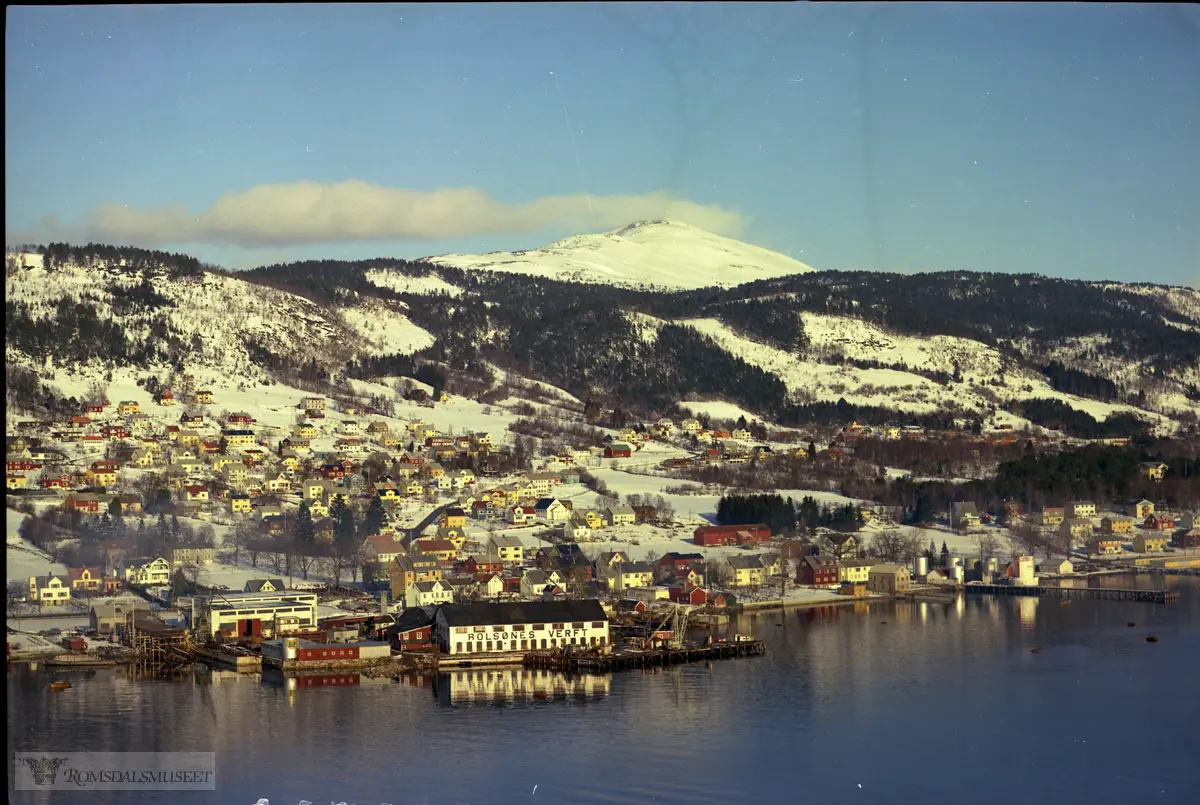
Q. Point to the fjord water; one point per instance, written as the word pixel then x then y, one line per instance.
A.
pixel 888 703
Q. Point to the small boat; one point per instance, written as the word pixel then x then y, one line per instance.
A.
pixel 57 686
pixel 1151 639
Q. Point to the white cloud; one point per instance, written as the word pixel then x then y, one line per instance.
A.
pixel 301 213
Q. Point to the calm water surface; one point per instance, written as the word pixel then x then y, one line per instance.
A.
pixel 920 703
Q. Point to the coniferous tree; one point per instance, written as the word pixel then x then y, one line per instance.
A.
pixel 305 533
pixel 945 555
pixel 375 517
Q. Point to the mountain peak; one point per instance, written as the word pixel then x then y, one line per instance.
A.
pixel 663 254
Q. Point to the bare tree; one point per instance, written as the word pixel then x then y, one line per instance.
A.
pixel 1024 538
pixel 17 590
pixel 895 546
pixel 989 546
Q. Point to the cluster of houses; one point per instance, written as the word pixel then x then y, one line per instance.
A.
pixel 1139 526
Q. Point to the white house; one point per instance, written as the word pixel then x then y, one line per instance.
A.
pixel 49 589
pixel 519 515
pixel 535 582
pixel 620 515
pixel 155 573
pixel 492 587
pixel 552 510
pixel 428 593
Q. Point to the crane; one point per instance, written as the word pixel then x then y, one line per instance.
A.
pixel 678 619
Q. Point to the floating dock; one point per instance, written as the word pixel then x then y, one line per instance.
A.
pixel 1100 593
pixel 627 660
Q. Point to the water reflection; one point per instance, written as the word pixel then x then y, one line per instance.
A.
pixel 504 685
pixel 1027 607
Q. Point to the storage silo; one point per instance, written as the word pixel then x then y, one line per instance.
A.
pixel 921 567
pixel 957 573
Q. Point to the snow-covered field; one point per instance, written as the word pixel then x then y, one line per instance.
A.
pixel 22 559
pixel 661 254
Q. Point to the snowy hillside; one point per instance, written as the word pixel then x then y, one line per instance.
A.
pixel 659 254
pixel 223 323
pixel 988 379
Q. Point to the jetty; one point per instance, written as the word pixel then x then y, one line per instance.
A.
pixel 230 658
pixel 1098 593
pixel 625 660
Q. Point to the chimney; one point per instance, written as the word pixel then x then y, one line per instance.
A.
pixel 383 603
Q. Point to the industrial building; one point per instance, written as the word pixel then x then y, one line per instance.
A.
pixel 460 629
pixel 264 614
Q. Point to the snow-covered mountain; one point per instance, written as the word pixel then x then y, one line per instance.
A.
pixel 654 254
pixel 977 345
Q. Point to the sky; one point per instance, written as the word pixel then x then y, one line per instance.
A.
pixel 1059 139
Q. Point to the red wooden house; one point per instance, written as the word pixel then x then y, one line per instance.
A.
pixel 1160 522
pixel 731 534
pixel 481 564
pixel 57 482
pixel 817 571
pixel 688 595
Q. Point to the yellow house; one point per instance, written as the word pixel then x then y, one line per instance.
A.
pixel 104 477
pixel 291 462
pixel 188 438
pixel 16 481
pixel 1147 543
pixel 204 397
pixel 142 458
pixel 314 490
pixel 318 509
pixel 745 571
pixel 435 471
pixel 237 438
pixel 1116 525
pixel 130 407
pixel 305 430
pixel 443 549
pixel 413 488
pixel 1154 470
pixel 855 570
pixel 454 518
pixel 594 519
pixel 239 504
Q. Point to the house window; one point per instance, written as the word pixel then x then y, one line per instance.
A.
pixel 524 645
pixel 602 641
pixel 469 647
pixel 537 627
pixel 543 642
pixel 489 645
pixel 597 624
pixel 559 625
pixel 576 625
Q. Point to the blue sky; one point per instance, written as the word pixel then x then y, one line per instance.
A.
pixel 1057 139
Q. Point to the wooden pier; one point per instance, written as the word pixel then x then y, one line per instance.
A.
pixel 1101 593
pixel 628 660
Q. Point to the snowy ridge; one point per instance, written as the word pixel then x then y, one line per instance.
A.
pixel 652 254
pixel 218 316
